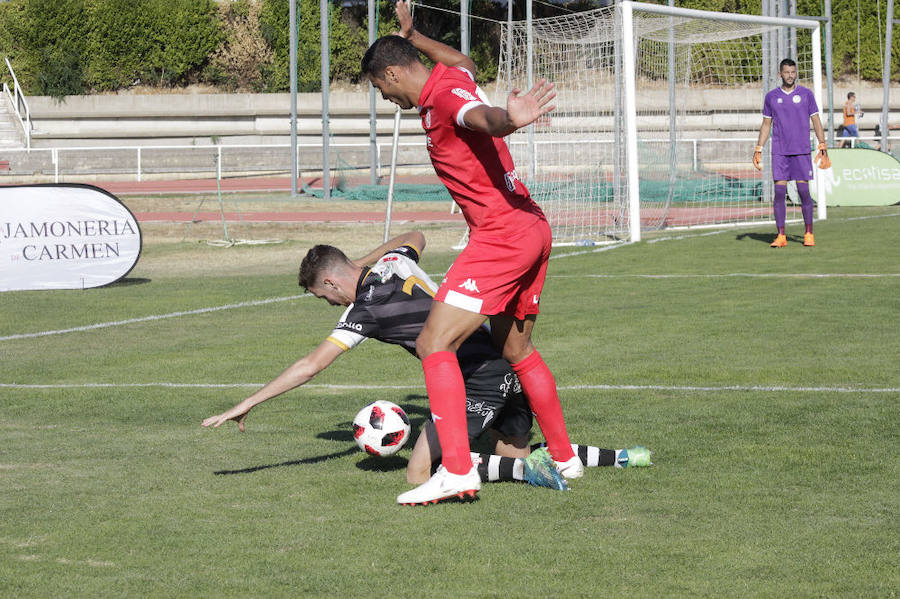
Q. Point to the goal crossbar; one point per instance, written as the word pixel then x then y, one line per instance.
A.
pixel 797 21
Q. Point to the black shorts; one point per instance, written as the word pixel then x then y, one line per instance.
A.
pixel 494 399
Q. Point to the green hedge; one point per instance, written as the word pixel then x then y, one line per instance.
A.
pixel 61 47
pixel 46 41
pixel 347 45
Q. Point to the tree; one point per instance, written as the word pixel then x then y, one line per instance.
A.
pixel 45 41
pixel 243 55
pixel 347 45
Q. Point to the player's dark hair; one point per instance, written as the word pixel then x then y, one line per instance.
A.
pixel 319 259
pixel 850 95
pixel 387 51
pixel 787 62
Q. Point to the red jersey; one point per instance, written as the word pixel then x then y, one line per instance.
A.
pixel 476 167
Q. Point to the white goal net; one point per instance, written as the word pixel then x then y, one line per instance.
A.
pixel 656 116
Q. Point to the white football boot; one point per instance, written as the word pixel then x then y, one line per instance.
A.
pixel 571 468
pixel 443 485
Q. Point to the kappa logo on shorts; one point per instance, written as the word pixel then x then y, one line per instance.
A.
pixel 536 299
pixel 427 118
pixel 470 285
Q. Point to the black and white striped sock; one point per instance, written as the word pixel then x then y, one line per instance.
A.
pixel 592 456
pixel 494 468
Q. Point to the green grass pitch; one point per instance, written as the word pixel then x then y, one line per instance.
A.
pixel 766 382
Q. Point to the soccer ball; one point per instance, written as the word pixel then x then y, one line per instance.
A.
pixel 381 428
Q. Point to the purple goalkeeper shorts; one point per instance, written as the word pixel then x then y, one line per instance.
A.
pixel 795 167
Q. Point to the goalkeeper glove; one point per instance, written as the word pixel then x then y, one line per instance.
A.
pixel 757 158
pixel 822 159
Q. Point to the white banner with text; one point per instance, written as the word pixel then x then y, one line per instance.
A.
pixel 66 236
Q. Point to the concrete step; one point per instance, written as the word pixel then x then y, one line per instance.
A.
pixel 9 129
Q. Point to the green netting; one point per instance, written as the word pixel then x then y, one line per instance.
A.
pixel 684 190
pixel 705 189
pixel 403 192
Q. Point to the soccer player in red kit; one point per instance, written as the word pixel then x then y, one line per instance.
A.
pixel 501 272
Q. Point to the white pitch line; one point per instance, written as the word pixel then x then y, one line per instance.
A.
pixel 772 388
pixel 103 325
pixel 872 216
pixel 192 386
pixel 115 323
pixel 725 229
pixel 739 388
pixel 798 275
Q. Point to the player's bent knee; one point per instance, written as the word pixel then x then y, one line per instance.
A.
pixel 428 343
pixel 516 352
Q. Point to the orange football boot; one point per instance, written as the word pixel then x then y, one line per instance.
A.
pixel 809 240
pixel 780 242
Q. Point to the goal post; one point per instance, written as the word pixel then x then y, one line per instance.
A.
pixel 654 106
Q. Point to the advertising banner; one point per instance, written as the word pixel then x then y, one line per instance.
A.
pixel 860 177
pixel 66 236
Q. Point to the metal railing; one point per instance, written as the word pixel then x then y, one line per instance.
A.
pixel 215 161
pixel 20 104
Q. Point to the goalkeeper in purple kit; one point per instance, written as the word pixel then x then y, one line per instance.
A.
pixel 787 112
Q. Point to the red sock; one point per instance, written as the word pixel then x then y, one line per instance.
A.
pixel 540 390
pixel 447 397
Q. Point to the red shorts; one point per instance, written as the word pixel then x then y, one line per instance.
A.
pixel 502 276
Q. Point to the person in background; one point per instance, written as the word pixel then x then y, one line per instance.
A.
pixel 851 113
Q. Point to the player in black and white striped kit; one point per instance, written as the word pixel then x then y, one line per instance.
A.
pixel 390 301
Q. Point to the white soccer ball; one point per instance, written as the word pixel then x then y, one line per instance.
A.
pixel 381 428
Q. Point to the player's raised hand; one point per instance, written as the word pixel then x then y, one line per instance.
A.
pixel 757 158
pixel 404 17
pixel 524 109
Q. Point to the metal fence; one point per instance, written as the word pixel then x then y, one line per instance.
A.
pixel 139 163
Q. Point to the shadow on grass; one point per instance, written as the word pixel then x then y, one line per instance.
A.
pixel 767 238
pixel 344 434
pixel 126 282
pixel 388 464
pixel 304 461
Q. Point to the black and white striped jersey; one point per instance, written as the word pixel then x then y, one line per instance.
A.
pixel 393 299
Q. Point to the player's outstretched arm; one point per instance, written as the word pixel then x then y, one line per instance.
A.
pixel 297 374
pixel 413 238
pixel 521 110
pixel 433 49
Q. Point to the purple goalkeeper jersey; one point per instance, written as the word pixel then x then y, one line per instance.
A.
pixel 790 113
